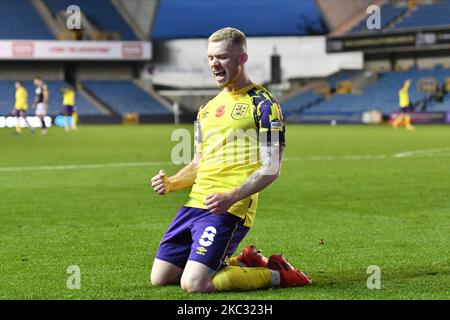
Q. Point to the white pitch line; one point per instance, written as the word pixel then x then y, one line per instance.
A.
pixel 425 152
pixel 83 166
pixel 444 152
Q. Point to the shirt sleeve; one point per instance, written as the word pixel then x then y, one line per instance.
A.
pixel 269 120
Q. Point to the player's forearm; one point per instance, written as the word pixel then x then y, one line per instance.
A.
pixel 262 177
pixel 405 87
pixel 185 178
pixel 258 181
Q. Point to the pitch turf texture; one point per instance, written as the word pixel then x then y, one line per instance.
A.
pixel 348 197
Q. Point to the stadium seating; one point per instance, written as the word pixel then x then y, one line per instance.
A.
pixel 304 101
pixel 427 15
pixel 300 102
pixel 124 96
pixel 341 76
pixel 383 95
pixel 7 98
pixel 440 107
pixel 256 18
pixel 100 12
pixel 26 25
pixel 424 15
pixel 388 14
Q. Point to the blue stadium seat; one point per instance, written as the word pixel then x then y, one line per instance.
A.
pixel 427 15
pixel 306 101
pixel 20 20
pixel 124 96
pixel 440 107
pixel 299 102
pixel 100 12
pixel 325 107
pixel 341 76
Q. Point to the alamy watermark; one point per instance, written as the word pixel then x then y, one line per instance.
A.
pixel 373 21
pixel 74 277
pixel 73 20
pixel 235 146
pixel 374 279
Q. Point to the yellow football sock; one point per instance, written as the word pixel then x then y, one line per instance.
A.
pixel 18 128
pixel 233 261
pixel 74 120
pixel 66 125
pixel 237 278
pixel 408 120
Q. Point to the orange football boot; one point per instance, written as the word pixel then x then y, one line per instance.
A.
pixel 252 257
pixel 289 276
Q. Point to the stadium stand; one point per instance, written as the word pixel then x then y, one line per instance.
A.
pixel 427 15
pixel 307 99
pixel 341 76
pixel 7 98
pixel 388 12
pixel 100 12
pixel 383 95
pixel 200 18
pixel 124 96
pixel 26 25
pixel 300 102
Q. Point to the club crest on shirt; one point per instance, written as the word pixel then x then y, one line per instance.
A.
pixel 239 111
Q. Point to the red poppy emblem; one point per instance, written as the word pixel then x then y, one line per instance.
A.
pixel 220 111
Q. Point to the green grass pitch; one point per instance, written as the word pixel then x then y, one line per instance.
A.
pixel 348 197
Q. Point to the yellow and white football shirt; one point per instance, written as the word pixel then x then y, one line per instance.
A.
pixel 403 96
pixel 21 99
pixel 228 132
pixel 69 97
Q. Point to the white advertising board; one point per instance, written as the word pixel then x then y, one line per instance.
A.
pixel 74 50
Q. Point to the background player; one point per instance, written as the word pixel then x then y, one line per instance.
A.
pixel 405 107
pixel 222 203
pixel 69 107
pixel 21 106
pixel 41 101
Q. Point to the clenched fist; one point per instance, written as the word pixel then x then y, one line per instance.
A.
pixel 160 183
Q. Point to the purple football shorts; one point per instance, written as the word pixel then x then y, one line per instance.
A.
pixel 20 113
pixel 407 109
pixel 69 110
pixel 198 235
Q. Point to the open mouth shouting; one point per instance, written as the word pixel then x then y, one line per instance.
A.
pixel 220 75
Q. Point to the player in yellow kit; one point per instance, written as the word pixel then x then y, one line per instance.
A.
pixel 69 108
pixel 405 107
pixel 21 106
pixel 239 142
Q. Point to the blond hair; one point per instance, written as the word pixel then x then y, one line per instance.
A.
pixel 235 36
